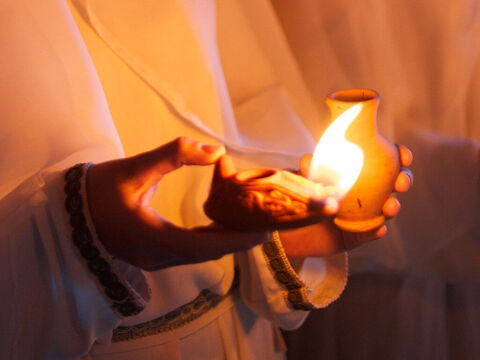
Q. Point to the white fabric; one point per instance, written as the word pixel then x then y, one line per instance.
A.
pixel 421 56
pixel 230 331
pixel 125 92
pixel 76 107
pixel 324 280
pixel 48 294
pixel 52 100
pixel 191 65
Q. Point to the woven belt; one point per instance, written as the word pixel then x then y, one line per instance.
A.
pixel 182 315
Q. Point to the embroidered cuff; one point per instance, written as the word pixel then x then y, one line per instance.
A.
pixel 124 299
pixel 298 295
pixel 295 289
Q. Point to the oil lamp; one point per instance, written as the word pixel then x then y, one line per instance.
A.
pixel 264 199
pixel 352 163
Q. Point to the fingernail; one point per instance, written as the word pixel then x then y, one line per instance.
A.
pixel 410 177
pixel 211 148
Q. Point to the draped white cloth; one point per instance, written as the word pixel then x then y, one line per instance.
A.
pixel 76 106
pixel 421 56
pixel 166 69
pixel 417 289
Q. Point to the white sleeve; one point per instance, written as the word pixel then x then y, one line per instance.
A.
pixel 56 296
pixel 272 289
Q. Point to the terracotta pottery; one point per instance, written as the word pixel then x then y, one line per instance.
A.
pixel 361 209
pixel 264 199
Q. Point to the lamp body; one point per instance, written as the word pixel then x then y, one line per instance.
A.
pixel 262 199
pixel 361 209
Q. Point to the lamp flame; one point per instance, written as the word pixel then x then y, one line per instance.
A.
pixel 336 161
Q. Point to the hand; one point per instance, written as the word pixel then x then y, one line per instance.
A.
pixel 119 194
pixel 325 238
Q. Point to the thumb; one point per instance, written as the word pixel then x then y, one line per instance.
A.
pixel 224 168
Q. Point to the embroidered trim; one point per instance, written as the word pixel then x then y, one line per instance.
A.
pixel 182 315
pixel 123 300
pixel 295 289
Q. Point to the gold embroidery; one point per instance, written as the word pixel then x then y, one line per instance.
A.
pixel 295 290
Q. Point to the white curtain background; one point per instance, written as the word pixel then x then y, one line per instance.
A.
pixel 416 293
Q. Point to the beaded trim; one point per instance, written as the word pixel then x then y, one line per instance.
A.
pixel 295 290
pixel 123 300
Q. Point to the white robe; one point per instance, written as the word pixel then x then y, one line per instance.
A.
pixel 162 80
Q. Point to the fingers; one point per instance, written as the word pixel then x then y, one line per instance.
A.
pixel 330 204
pixel 406 156
pixel 171 156
pixel 406 159
pixel 325 239
pixel 191 152
pixel 320 239
pixel 224 168
pixel 352 240
pixel 405 177
pixel 403 181
pixel 391 207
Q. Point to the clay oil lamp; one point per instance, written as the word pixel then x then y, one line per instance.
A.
pixel 352 163
pixel 264 199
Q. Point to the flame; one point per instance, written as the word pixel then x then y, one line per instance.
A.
pixel 336 161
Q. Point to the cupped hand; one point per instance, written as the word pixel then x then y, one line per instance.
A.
pixel 119 194
pixel 325 238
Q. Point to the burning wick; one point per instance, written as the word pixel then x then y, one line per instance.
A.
pixel 336 162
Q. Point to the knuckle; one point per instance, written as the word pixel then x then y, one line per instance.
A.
pixel 181 144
